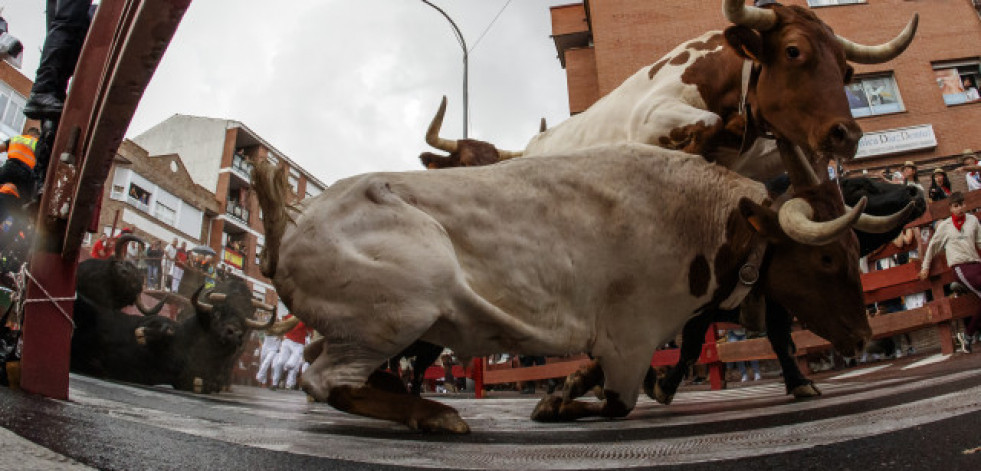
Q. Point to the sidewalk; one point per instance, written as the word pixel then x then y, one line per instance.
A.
pixel 22 455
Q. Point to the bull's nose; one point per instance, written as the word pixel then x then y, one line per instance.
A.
pixel 842 138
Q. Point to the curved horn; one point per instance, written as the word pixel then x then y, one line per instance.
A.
pixel 882 224
pixel 506 154
pixel 737 12
pixel 217 297
pixel 260 325
pixel 883 52
pixel 261 305
pixel 123 240
pixel 283 326
pixel 152 311
pixel 432 134
pixel 200 306
pixel 796 220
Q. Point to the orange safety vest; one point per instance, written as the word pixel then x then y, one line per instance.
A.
pixel 10 189
pixel 22 149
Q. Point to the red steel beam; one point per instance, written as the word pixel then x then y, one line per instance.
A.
pixel 122 50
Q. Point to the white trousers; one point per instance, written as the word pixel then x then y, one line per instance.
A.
pixel 270 348
pixel 290 358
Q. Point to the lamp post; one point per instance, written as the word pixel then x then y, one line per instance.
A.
pixel 463 45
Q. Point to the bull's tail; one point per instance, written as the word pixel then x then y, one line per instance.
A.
pixel 271 189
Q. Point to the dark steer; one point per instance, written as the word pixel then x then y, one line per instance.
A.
pixel 209 342
pixel 108 343
pixel 113 283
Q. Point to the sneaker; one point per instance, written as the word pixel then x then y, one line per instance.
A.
pixel 757 377
pixel 43 106
pixel 745 378
pixel 898 353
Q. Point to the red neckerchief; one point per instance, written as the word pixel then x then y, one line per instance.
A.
pixel 946 190
pixel 958 220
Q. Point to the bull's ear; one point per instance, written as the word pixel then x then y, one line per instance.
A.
pixel 761 219
pixel 746 42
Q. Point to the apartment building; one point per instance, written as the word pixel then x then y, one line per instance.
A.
pixel 218 155
pixel 156 197
pixel 914 107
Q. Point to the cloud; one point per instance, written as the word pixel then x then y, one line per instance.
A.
pixel 345 87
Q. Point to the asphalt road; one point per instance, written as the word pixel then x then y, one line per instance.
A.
pixel 921 412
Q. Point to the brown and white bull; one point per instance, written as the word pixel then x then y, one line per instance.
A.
pixel 608 251
pixel 778 72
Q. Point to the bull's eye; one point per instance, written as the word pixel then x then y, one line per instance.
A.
pixel 793 52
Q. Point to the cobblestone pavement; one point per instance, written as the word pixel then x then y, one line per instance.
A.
pixel 919 412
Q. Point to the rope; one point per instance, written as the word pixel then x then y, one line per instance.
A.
pixel 48 298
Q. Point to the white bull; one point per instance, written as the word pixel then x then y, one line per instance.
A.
pixel 607 250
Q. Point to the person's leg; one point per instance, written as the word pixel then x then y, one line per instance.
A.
pixel 68 23
pixel 755 364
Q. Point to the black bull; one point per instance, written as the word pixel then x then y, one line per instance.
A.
pixel 883 198
pixel 194 355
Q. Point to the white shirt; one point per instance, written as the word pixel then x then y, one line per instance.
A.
pixel 960 246
pixel 973 181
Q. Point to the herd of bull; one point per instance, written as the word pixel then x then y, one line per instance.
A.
pixel 643 216
pixel 196 354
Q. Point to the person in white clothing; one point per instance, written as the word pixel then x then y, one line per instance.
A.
pixel 167 264
pixel 972 170
pixel 270 348
pixel 290 357
pixel 960 237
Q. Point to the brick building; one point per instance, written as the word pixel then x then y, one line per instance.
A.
pixel 218 155
pixel 14 90
pixel 911 108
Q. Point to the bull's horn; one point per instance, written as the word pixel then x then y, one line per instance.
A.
pixel 283 326
pixel 199 305
pixel 217 297
pixel 152 311
pixel 260 325
pixel 122 241
pixel 432 134
pixel 882 224
pixel 798 165
pixel 883 52
pixel 543 126
pixel 796 220
pixel 261 305
pixel 737 12
pixel 507 154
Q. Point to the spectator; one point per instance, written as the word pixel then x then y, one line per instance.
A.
pixel 448 360
pixel 960 236
pixel 180 262
pixel 102 248
pixel 735 335
pixel 909 174
pixel 154 258
pixel 939 185
pixel 67 24
pixel 970 165
pixel 971 91
pixel 17 172
pixel 167 267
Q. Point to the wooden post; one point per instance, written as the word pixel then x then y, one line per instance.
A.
pixel 478 377
pixel 710 356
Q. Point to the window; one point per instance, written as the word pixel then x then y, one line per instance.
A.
pixel 876 95
pixel 117 192
pixel 828 3
pixel 294 183
pixel 258 251
pixel 11 111
pixel 165 214
pixel 958 81
pixel 139 197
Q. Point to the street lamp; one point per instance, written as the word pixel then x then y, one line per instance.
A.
pixel 463 45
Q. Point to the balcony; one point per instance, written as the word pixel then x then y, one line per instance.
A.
pixel 237 211
pixel 242 167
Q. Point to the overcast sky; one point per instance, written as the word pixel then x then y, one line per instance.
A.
pixel 344 87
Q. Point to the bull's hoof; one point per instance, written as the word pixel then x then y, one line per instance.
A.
pixel 198 386
pixel 660 396
pixel 140 334
pixel 806 391
pixel 447 421
pixel 547 409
